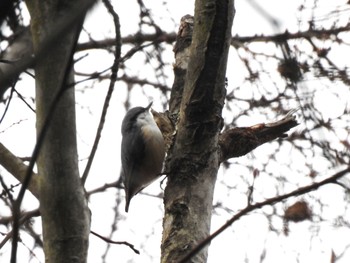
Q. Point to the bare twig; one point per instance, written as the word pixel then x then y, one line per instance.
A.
pixel 116 242
pixel 114 74
pixel 116 184
pixel 270 201
pixel 237 41
pixel 132 39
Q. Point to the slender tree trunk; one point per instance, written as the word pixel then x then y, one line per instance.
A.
pixel 193 159
pixel 63 206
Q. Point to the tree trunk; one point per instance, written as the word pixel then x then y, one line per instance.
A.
pixel 193 159
pixel 63 206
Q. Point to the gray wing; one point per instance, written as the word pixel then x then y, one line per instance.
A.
pixel 133 150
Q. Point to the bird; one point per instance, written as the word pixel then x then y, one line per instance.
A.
pixel 142 151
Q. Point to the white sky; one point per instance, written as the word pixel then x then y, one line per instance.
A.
pixel 142 226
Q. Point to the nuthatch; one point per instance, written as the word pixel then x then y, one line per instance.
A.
pixel 142 151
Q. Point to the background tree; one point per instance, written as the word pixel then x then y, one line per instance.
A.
pixel 273 187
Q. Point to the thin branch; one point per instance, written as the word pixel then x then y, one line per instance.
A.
pixel 114 74
pixel 238 41
pixel 24 101
pixel 142 82
pixel 116 184
pixel 116 242
pixel 270 201
pixel 132 39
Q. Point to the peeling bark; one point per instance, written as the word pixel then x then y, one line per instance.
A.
pixel 193 159
pixel 239 141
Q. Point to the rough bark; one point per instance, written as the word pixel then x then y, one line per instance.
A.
pixel 239 141
pixel 65 215
pixel 193 159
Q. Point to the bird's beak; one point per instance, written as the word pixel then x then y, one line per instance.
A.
pixel 149 106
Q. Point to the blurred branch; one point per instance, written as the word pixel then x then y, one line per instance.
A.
pixel 23 218
pixel 5 220
pixel 270 201
pixel 236 41
pixel 142 82
pixel 118 185
pixel 18 169
pixel 322 33
pixel 103 188
pixel 131 39
pixel 17 64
